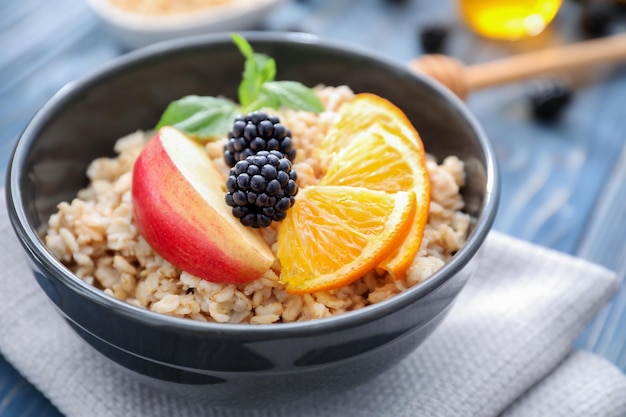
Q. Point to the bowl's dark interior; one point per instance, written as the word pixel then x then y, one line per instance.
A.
pixel 84 125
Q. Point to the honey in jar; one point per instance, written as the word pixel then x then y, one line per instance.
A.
pixel 508 19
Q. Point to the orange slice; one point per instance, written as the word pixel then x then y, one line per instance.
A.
pixel 334 235
pixel 359 114
pixel 384 158
pixel 380 158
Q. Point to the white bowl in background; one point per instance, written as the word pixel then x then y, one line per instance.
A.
pixel 135 30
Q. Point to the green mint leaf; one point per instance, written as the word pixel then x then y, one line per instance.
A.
pixel 208 124
pixel 263 70
pixel 294 95
pixel 267 68
pixel 200 117
pixel 258 69
pixel 185 107
pixel 262 101
pixel 249 85
pixel 243 45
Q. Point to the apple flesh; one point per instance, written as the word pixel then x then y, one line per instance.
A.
pixel 179 209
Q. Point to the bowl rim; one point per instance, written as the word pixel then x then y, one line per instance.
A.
pixel 44 259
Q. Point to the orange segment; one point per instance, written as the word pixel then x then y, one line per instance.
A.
pixel 400 259
pixel 359 114
pixel 380 158
pixel 384 158
pixel 334 235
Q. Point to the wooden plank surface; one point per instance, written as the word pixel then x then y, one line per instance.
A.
pixel 564 185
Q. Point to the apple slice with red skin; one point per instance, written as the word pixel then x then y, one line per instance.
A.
pixel 179 209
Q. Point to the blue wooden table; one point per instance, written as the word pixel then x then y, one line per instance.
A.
pixel 563 184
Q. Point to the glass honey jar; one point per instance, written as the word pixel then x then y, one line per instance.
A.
pixel 508 19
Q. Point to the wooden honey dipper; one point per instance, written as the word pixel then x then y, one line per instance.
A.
pixel 462 79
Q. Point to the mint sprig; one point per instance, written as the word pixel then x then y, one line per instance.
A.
pixel 258 88
pixel 207 118
pixel 258 69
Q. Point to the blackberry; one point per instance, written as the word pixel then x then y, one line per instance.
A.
pixel 548 98
pixel 256 132
pixel 433 38
pixel 261 188
pixel 596 19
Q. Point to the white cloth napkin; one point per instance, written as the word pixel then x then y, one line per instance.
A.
pixel 504 350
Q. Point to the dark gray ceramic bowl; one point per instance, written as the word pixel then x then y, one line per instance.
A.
pixel 242 363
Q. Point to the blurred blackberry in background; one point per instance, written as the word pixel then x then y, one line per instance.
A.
pixel 596 18
pixel 433 38
pixel 548 98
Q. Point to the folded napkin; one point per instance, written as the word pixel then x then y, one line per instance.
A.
pixel 504 349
